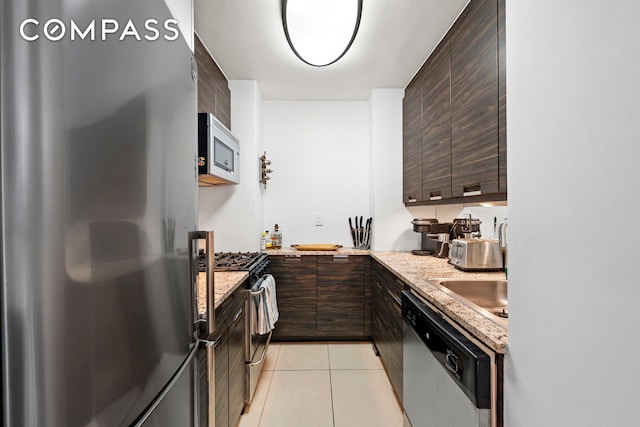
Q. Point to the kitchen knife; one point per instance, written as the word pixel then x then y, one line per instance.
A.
pixel 367 233
pixel 361 232
pixel 353 233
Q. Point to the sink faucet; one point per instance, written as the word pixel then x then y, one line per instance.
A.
pixel 502 233
pixel 502 241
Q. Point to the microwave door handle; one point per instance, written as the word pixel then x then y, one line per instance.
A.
pixel 203 326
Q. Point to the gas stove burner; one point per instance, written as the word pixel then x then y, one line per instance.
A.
pixel 255 263
pixel 236 260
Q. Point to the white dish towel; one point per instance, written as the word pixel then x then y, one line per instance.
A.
pixel 267 304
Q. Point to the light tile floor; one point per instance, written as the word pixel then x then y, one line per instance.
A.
pixel 323 385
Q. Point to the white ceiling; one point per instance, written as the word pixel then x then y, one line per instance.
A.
pixel 246 39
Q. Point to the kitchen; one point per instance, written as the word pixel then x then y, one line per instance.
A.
pixel 566 292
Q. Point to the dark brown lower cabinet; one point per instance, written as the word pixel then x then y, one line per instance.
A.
pixel 203 389
pixel 221 351
pixel 341 296
pixel 386 322
pixel 296 290
pixel 322 297
pixel 229 360
pixel 237 367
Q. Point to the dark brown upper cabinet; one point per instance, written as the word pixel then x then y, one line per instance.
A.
pixel 412 142
pixel 436 117
pixel 214 95
pixel 474 101
pixel 456 151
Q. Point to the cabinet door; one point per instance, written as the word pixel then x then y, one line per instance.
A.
pixel 221 354
pixel 412 142
pixel 223 99
pixel 237 367
pixel 436 117
pixel 378 331
pixel 214 95
pixel 296 290
pixel 474 100
pixel 341 296
pixel 387 324
pixel 502 98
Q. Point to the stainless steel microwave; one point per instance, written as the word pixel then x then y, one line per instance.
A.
pixel 218 153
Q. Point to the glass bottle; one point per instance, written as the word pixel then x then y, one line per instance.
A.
pixel 276 238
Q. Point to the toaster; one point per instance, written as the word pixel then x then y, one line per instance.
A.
pixel 475 255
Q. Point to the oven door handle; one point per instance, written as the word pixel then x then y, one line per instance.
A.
pixel 264 352
pixel 257 293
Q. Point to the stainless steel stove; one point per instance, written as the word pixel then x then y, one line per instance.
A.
pixel 256 345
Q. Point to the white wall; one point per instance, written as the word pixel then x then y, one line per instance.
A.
pixel 392 226
pixel 320 154
pixel 573 133
pixel 182 11
pixel 235 212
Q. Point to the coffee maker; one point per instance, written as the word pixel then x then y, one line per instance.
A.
pixel 437 235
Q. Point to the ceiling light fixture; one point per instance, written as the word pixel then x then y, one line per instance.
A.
pixel 320 32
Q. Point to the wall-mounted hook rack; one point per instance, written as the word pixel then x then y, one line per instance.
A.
pixel 264 170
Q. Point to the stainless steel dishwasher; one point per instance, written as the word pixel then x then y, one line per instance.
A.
pixel 447 377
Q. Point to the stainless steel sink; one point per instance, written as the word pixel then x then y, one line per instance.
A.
pixel 486 296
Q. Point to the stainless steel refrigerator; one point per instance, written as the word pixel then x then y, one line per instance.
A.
pixel 98 197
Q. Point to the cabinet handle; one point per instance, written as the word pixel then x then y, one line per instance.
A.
pixel 411 199
pixel 341 258
pixel 293 258
pixel 435 195
pixel 397 300
pixel 471 190
pixel 237 316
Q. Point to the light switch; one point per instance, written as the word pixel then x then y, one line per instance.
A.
pixel 318 220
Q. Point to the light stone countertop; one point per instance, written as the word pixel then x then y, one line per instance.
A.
pixel 340 251
pixel 225 282
pixel 417 271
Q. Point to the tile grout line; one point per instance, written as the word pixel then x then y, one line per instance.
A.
pixel 333 411
pixel 266 397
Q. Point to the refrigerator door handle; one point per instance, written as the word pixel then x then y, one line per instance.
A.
pixel 203 324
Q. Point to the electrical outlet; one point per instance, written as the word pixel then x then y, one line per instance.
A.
pixel 318 220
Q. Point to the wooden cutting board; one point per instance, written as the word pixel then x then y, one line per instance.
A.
pixel 317 247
